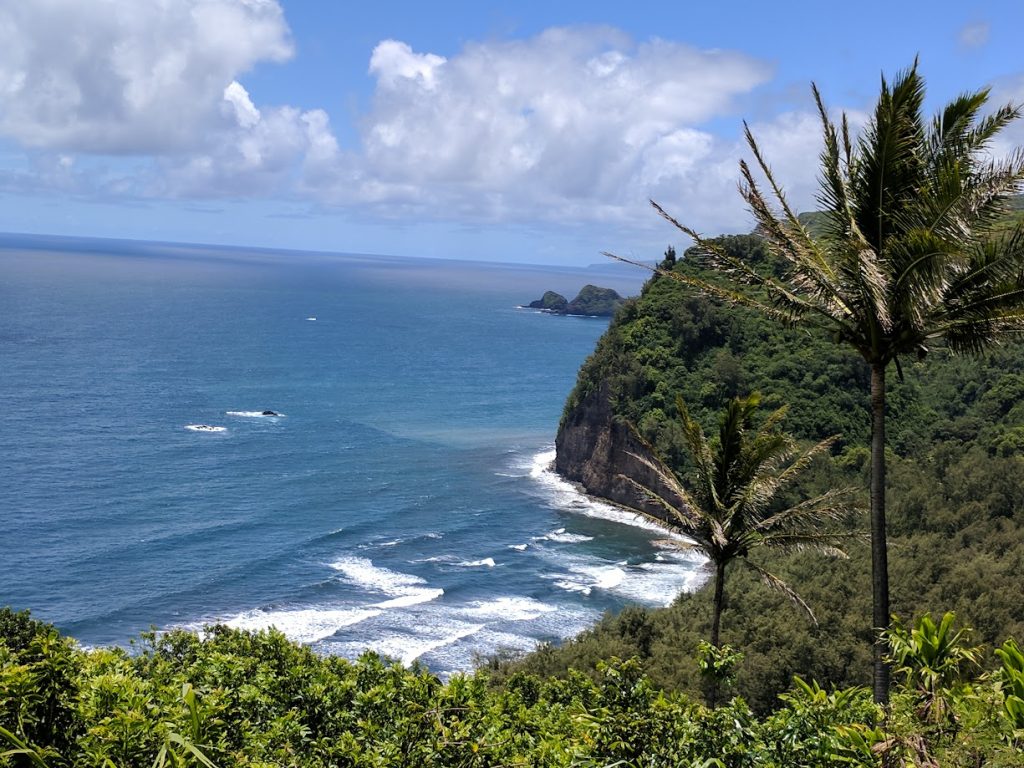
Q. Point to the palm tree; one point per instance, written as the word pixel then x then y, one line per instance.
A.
pixel 729 512
pixel 910 251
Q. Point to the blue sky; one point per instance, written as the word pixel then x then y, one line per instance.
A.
pixel 531 132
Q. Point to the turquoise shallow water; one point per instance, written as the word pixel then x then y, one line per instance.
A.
pixel 401 501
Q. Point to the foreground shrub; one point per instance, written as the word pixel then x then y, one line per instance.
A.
pixel 235 698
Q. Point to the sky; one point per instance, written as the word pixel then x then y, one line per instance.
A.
pixel 531 132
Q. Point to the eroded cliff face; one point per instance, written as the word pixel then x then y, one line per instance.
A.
pixel 593 448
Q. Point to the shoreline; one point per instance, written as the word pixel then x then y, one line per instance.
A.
pixel 615 512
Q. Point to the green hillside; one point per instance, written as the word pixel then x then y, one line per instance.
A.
pixel 956 487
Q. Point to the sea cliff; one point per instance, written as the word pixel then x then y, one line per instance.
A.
pixel 594 449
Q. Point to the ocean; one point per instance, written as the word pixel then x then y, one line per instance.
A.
pixel 400 499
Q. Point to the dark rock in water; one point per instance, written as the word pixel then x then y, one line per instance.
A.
pixel 271 413
pixel 550 302
pixel 591 301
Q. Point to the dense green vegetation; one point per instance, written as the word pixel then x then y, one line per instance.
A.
pixel 242 699
pixel 956 479
pixel 917 245
pixel 905 254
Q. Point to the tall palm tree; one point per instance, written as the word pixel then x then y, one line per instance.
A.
pixel 909 252
pixel 728 509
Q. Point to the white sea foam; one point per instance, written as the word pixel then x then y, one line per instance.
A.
pixel 605 577
pixel 304 625
pixel 418 646
pixel 509 608
pixel 253 414
pixel 417 597
pixel 660 583
pixel 518 547
pixel 571 586
pixel 363 573
pixel 567 538
pixel 410 644
pixel 585 578
pixel 311 319
pixel 487 562
pixel 205 428
pixel 652 583
pixel 564 495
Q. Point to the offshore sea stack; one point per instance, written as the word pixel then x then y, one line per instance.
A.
pixel 591 301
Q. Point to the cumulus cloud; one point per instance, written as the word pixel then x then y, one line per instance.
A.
pixel 393 61
pixel 157 81
pixel 128 77
pixel 260 156
pixel 574 124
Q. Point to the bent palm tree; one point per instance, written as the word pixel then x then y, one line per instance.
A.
pixel 729 511
pixel 910 251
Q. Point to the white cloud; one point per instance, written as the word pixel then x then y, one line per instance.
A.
pixel 262 157
pixel 575 124
pixel 128 76
pixel 974 35
pixel 571 127
pixel 156 79
pixel 394 61
pixel 240 105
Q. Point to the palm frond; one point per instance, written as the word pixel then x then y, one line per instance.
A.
pixel 774 582
pixel 804 460
pixel 729 296
pixel 791 241
pixel 666 477
pixel 786 303
pixel 953 129
pixel 826 543
pixel 689 519
pixel 980 136
pixel 889 165
pixel 832 505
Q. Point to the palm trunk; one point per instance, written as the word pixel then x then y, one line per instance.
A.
pixel 716 620
pixel 879 552
pixel 719 595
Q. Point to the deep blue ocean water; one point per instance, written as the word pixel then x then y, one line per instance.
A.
pixel 402 500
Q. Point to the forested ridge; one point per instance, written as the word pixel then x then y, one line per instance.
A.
pixel 956 487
